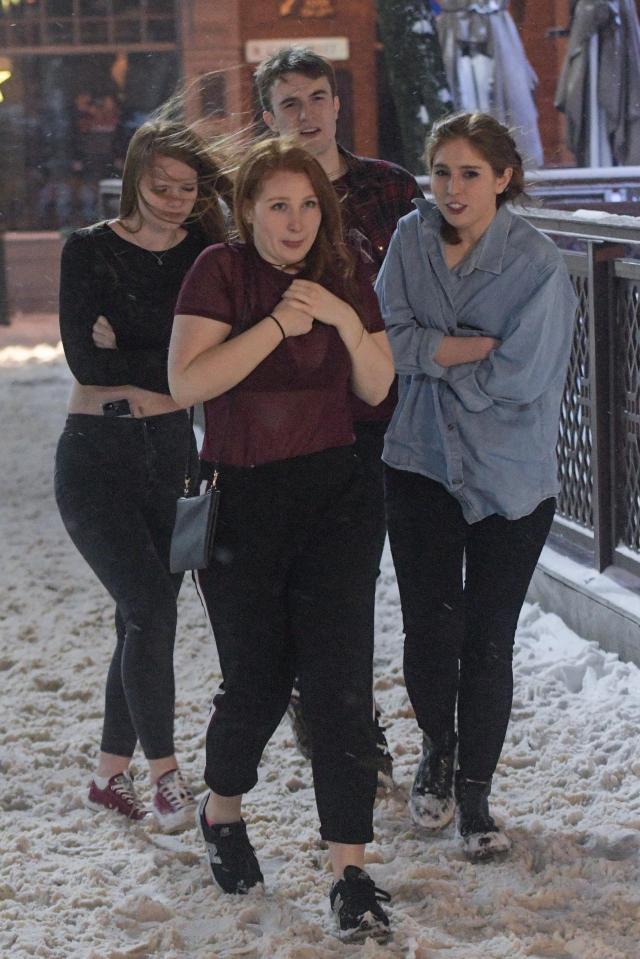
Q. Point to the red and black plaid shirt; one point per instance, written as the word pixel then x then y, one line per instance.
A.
pixel 374 194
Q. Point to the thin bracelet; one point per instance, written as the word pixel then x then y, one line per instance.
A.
pixel 279 324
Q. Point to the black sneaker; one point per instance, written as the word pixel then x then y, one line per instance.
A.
pixel 355 902
pixel 431 802
pixel 231 856
pixel 483 838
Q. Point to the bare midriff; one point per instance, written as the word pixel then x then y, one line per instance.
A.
pixel 89 400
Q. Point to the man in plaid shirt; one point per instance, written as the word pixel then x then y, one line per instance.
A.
pixel 297 90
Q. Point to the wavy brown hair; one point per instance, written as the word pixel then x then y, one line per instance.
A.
pixel 329 254
pixel 495 144
pixel 167 138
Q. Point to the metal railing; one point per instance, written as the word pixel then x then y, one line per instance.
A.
pixel 599 436
pixel 572 185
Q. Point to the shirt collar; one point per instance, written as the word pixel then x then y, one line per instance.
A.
pixel 488 254
pixel 352 162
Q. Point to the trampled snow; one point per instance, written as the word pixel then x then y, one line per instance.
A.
pixel 81 885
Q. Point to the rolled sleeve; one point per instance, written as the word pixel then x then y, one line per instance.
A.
pixel 531 356
pixel 413 345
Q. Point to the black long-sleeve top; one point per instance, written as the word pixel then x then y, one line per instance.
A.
pixel 103 274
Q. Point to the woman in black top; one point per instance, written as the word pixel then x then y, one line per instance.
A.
pixel 121 458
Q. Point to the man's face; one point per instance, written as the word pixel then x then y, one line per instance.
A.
pixel 304 106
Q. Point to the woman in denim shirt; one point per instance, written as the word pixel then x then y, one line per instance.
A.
pixel 479 310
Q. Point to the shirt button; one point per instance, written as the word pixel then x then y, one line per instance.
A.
pixel 457 482
pixel 451 427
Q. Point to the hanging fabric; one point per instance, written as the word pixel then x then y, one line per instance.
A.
pixel 604 40
pixel 488 68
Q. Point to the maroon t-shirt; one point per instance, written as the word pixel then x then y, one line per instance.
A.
pixel 297 400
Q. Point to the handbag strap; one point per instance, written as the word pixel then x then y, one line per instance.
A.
pixel 187 471
pixel 244 319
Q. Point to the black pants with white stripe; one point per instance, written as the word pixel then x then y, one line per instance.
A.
pixel 290 591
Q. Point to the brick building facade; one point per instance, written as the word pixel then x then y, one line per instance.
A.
pixel 224 36
pixel 77 78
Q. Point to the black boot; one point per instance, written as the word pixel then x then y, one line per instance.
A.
pixel 431 802
pixel 483 838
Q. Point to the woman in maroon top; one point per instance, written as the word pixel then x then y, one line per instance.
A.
pixel 274 334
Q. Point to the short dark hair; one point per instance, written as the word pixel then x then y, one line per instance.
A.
pixel 291 60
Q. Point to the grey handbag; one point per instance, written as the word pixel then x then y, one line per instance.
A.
pixel 195 524
pixel 194 529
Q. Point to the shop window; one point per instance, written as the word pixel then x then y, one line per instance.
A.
pixel 78 22
pixel 165 7
pixel 68 120
pixel 128 30
pixel 93 31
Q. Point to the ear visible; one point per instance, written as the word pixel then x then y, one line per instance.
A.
pixel 503 181
pixel 336 105
pixel 270 120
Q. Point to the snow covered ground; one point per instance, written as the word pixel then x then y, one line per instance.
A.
pixel 79 885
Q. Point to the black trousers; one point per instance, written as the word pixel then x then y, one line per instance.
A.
pixel 290 591
pixel 116 484
pixel 368 446
pixel 459 635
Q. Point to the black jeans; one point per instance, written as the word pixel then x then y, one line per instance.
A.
pixel 369 443
pixel 116 482
pixel 291 590
pixel 459 636
pixel 368 446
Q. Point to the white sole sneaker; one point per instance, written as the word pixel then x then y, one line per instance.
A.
pixel 176 821
pixel 174 804
pixel 431 812
pixel 371 928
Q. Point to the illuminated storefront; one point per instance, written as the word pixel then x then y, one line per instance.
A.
pixel 76 77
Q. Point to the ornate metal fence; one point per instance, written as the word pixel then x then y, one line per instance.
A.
pixel 599 436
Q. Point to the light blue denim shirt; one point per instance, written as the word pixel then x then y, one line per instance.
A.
pixel 486 430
